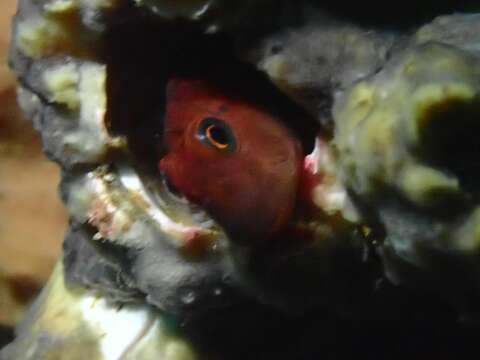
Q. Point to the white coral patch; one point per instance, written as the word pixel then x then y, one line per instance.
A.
pixel 329 194
pixel 62 83
pixel 118 329
pixel 131 331
pixel 91 138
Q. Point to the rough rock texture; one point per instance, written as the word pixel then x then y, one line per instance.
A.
pixel 313 62
pixel 28 253
pixel 406 138
pixel 75 324
pixel 394 207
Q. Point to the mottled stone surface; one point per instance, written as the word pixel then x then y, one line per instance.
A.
pixel 406 137
pixel 72 323
pixel 394 209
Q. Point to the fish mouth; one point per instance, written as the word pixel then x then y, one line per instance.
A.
pixel 172 189
pixel 199 215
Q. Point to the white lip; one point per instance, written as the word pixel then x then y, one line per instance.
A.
pixel 329 194
pixel 179 197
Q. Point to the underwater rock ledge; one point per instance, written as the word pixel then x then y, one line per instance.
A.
pixel 386 201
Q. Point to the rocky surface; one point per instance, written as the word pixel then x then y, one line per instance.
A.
pixel 32 219
pixel 394 209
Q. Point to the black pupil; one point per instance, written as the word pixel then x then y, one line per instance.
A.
pixel 218 135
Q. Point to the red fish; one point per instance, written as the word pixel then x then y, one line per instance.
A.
pixel 232 157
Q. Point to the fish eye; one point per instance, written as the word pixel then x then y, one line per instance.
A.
pixel 216 133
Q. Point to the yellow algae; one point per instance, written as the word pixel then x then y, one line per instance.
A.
pixel 62 83
pixel 41 37
pixel 467 237
pixel 360 104
pixel 61 6
pixel 422 184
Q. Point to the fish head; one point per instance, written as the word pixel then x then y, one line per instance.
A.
pixel 232 157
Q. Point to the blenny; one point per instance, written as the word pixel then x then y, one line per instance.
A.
pixel 229 154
